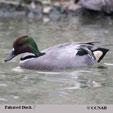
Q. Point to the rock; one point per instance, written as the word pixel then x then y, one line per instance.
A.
pixel 74 7
pixel 97 5
pixel 46 19
pixel 47 9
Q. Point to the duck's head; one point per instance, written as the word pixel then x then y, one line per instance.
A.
pixel 24 44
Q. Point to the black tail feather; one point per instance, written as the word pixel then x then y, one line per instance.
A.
pixel 103 50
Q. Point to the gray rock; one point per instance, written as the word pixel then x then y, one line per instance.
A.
pixel 97 5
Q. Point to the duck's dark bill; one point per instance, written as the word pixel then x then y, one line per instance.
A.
pixel 12 55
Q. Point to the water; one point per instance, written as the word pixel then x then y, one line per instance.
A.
pixel 87 85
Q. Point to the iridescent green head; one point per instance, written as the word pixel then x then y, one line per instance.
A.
pixel 24 44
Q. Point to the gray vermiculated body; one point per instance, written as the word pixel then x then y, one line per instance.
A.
pixel 59 57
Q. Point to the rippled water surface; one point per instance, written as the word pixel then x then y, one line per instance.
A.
pixel 87 85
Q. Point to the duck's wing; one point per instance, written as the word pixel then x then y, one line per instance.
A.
pixel 89 45
pixel 74 48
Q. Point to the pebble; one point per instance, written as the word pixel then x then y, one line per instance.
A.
pixel 46 10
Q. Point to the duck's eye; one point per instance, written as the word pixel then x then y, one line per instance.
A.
pixel 20 44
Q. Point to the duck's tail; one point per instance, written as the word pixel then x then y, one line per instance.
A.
pixel 99 53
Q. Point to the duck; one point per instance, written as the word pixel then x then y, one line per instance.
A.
pixel 70 55
pixel 105 6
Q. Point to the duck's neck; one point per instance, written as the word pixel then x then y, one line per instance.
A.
pixel 30 56
pixel 27 57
